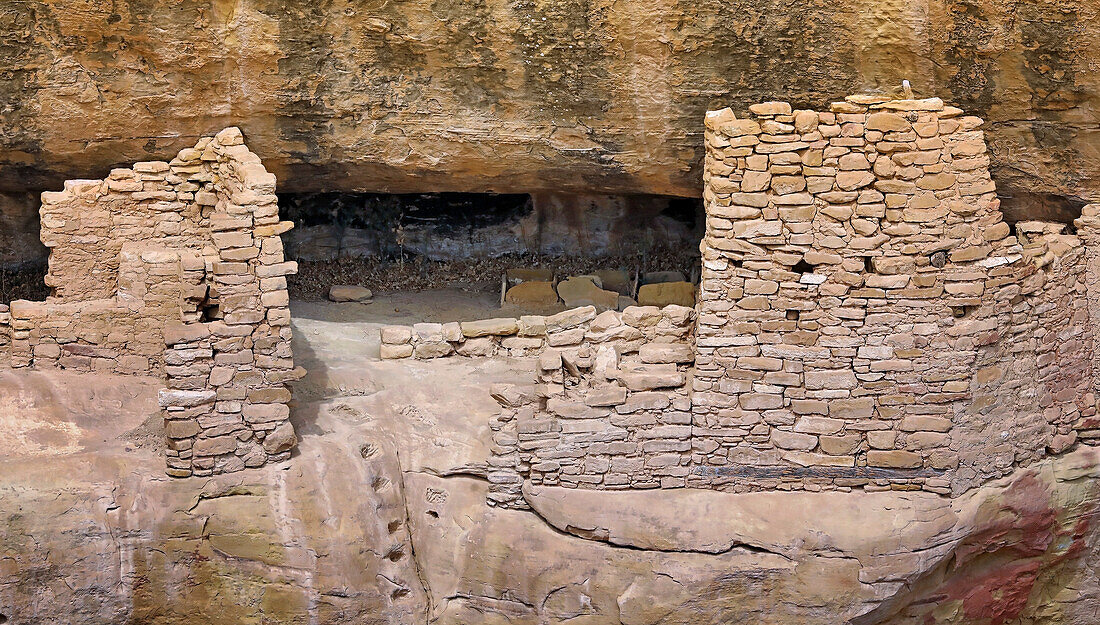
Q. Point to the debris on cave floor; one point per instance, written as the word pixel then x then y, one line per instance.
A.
pixel 23 281
pixel 481 274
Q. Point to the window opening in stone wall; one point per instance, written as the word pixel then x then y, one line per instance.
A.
pixel 961 311
pixel 802 267
pixel 537 253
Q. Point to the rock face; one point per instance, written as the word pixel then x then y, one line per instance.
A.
pixel 381 517
pixel 517 96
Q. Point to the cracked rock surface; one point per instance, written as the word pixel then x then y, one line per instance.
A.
pixel 381 518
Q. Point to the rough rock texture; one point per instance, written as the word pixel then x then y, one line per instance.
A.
pixel 508 96
pixel 381 518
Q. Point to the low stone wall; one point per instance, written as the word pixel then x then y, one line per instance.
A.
pixel 525 336
pixel 611 410
pixel 174 269
pixel 120 334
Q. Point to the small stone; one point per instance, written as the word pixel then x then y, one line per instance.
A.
pixel 350 293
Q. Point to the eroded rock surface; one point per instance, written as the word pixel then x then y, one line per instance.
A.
pixel 381 518
pixel 517 96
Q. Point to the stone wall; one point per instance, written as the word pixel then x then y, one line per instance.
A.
pixel 867 319
pixel 610 410
pixel 174 269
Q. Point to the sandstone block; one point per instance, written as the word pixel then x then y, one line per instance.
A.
pixel 861 408
pixel 760 401
pixel 667 293
pixel 214 446
pixel 649 377
pixel 840 445
pixel 887 122
pixel 570 318
pixel 396 335
pixel 793 440
pixel 281 439
pixel 818 425
pixel 771 108
pixel 501 326
pixel 895 459
pixel 532 294
pixel 666 353
pixel 350 293
pixel 480 346
pixel 914 423
pixel 433 349
pixel 583 291
pixel 605 396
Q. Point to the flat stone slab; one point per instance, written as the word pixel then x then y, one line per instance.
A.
pixel 532 293
pixel 350 293
pixel 616 280
pixel 662 294
pixel 583 291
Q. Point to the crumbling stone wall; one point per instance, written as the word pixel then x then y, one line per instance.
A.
pixel 174 269
pixel 609 410
pixel 866 320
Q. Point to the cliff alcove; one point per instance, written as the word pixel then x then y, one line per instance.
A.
pixel 549 312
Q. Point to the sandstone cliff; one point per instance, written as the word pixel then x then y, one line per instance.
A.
pixel 582 95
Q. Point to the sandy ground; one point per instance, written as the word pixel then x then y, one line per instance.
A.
pixel 436 305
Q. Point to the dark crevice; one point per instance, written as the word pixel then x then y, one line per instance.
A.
pixel 420 576
pixel 584 534
pixel 1038 206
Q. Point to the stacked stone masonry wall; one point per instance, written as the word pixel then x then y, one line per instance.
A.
pixel 174 269
pixel 866 316
pixel 866 320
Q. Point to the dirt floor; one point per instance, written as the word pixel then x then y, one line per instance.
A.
pixel 408 307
